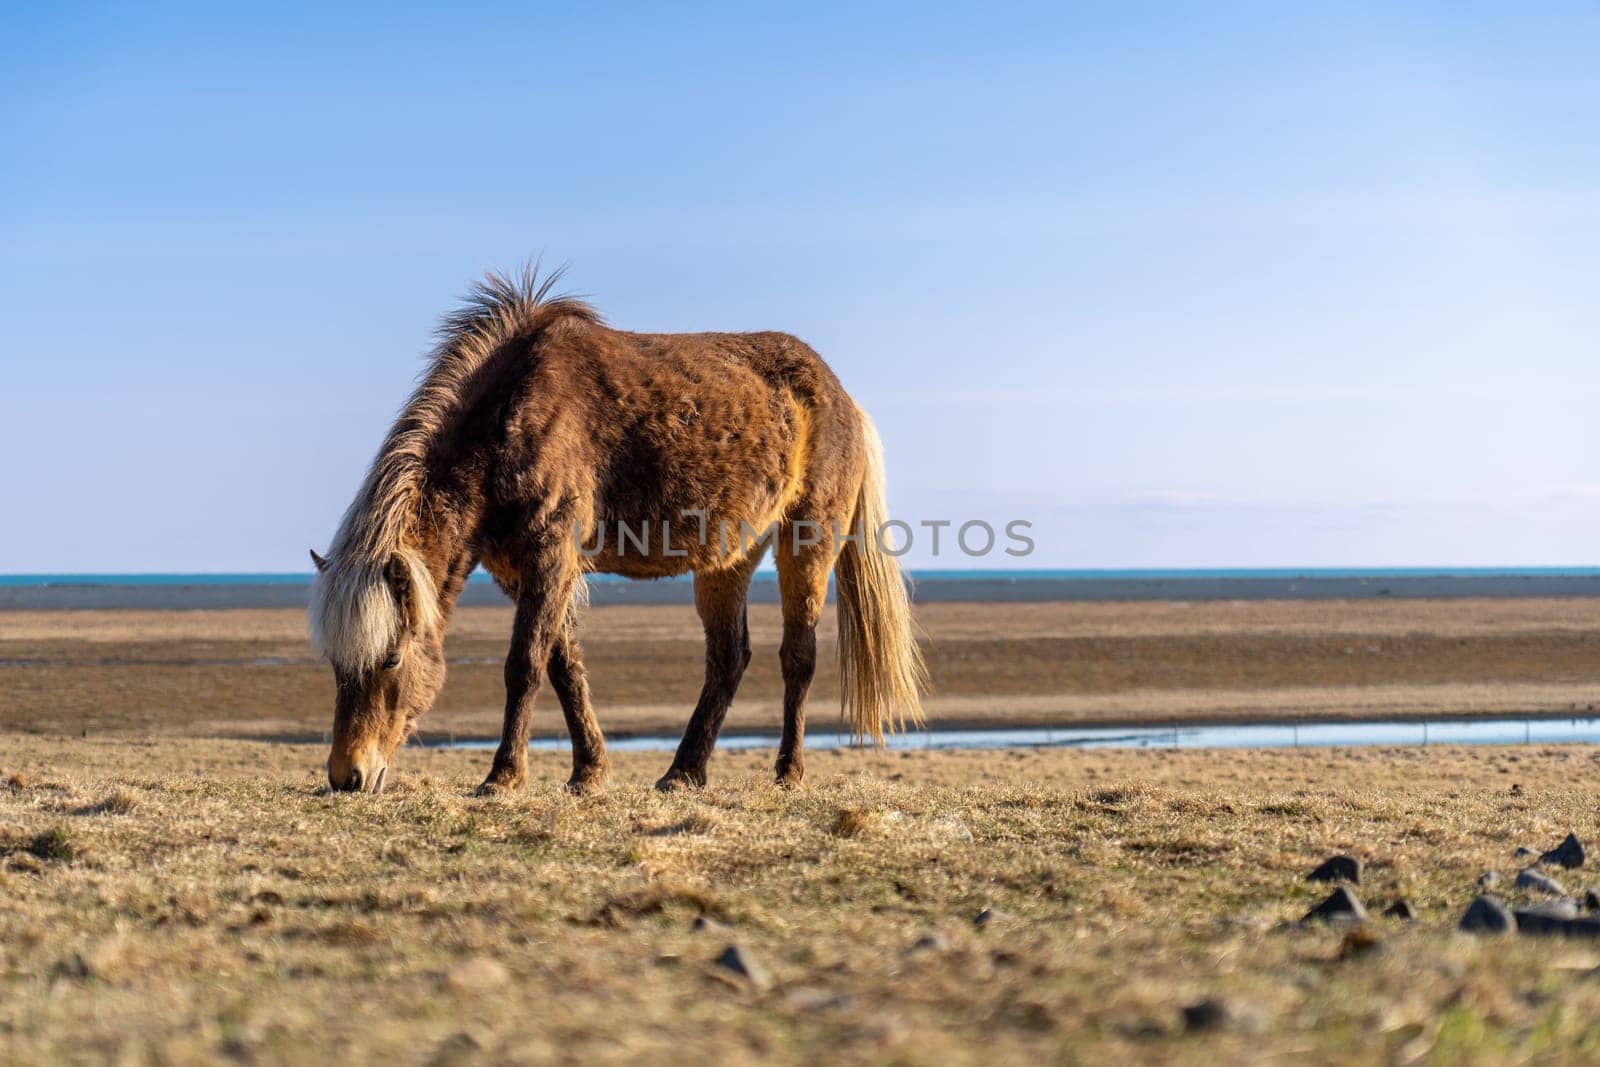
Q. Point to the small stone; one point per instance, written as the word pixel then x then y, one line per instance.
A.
pixel 477 975
pixel 1337 869
pixel 1568 854
pixel 990 917
pixel 810 999
pixel 934 942
pixel 1591 900
pixel 705 924
pixel 1205 1015
pixel 1401 909
pixel 1523 852
pixel 1564 908
pixel 1487 915
pixel 459 1047
pixel 1535 923
pixel 1488 879
pixel 1538 882
pixel 1342 905
pixel 736 960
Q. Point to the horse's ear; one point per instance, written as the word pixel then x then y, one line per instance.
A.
pixel 321 563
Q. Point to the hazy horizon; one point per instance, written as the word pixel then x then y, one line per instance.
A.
pixel 1279 288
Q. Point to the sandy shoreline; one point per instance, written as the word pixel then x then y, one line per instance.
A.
pixel 250 673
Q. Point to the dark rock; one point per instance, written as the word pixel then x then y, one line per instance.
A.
pixel 1208 1014
pixel 934 942
pixel 1538 882
pixel 1568 854
pixel 1401 909
pixel 1523 852
pixel 1488 879
pixel 1534 923
pixel 1488 915
pixel 1591 900
pixel 1342 905
pixel 990 917
pixel 460 1047
pixel 1564 908
pixel 737 961
pixel 705 924
pixel 1337 869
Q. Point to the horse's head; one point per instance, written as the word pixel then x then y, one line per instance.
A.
pixel 379 628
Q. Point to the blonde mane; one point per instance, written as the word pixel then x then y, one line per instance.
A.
pixel 356 615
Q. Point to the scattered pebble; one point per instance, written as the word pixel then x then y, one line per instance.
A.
pixel 934 942
pixel 1535 923
pixel 1539 882
pixel 1591 900
pixel 736 960
pixel 1488 915
pixel 477 975
pixel 1342 905
pixel 1488 879
pixel 1401 909
pixel 990 917
pixel 1568 854
pixel 459 1047
pixel 1523 852
pixel 811 999
pixel 1565 908
pixel 1337 869
pixel 1211 1013
pixel 705 924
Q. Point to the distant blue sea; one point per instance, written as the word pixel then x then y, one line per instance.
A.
pixel 930 575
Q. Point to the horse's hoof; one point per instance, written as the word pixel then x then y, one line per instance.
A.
pixel 499 785
pixel 791 778
pixel 679 781
pixel 589 783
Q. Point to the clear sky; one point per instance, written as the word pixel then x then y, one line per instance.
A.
pixel 1185 285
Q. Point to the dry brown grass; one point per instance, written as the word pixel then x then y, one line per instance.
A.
pixel 188 901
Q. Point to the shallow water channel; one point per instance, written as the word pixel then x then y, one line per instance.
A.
pixel 1482 731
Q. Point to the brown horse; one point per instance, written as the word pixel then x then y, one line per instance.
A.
pixel 543 445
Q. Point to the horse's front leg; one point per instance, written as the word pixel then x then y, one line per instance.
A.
pixel 541 605
pixel 590 768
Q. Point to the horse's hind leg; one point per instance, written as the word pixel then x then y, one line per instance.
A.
pixel 590 769
pixel 803 584
pixel 719 596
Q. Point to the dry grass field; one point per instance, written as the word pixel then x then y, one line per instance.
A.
pixel 251 674
pixel 183 900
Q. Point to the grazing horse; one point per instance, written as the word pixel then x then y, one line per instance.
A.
pixel 543 444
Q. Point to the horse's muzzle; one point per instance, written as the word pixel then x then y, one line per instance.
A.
pixel 357 780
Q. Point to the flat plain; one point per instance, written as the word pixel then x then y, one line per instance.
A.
pixel 250 673
pixel 178 885
pixel 187 900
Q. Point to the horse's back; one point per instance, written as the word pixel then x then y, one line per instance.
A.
pixel 722 425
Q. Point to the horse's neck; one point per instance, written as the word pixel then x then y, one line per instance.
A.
pixel 441 532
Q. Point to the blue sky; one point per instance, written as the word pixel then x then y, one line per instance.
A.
pixel 1234 285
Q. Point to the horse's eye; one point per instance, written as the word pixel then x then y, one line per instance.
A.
pixel 392 662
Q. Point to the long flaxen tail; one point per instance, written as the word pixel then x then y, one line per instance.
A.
pixel 881 673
